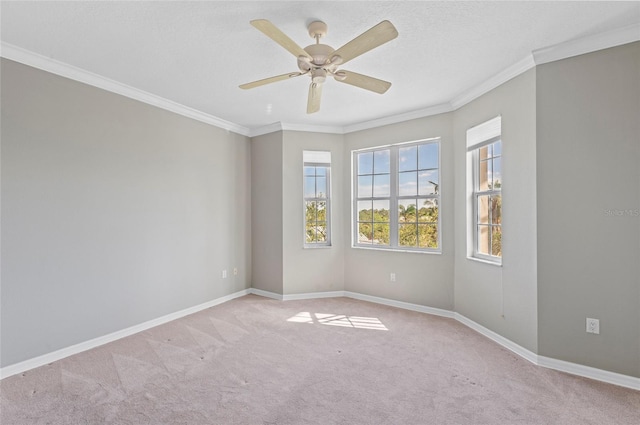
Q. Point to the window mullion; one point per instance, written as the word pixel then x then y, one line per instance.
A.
pixel 393 199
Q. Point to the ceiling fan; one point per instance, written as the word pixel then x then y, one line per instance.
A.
pixel 319 60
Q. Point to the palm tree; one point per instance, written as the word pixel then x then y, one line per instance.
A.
pixel 406 212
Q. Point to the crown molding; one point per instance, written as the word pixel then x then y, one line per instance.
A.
pixel 62 69
pixel 394 119
pixel 266 129
pixel 331 129
pixel 589 44
pixel 283 126
pixel 491 83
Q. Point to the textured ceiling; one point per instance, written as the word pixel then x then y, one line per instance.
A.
pixel 197 53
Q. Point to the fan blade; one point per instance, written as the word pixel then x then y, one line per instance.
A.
pixel 364 82
pixel 270 80
pixel 370 39
pixel 315 93
pixel 279 37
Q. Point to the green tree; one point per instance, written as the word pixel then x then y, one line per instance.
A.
pixel 316 221
pixel 407 214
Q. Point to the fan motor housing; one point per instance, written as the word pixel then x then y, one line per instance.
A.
pixel 320 53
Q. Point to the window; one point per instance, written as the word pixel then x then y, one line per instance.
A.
pixel 485 150
pixel 397 196
pixel 317 198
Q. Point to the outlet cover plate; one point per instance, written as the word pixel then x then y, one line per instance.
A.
pixel 593 326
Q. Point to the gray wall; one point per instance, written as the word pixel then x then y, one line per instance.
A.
pixel 588 168
pixel 502 299
pixel 312 269
pixel 266 212
pixel 114 212
pixel 425 279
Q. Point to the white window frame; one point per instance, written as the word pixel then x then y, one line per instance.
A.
pixel 394 198
pixel 317 159
pixel 478 137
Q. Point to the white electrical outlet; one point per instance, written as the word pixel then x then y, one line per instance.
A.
pixel 392 277
pixel 224 274
pixel 593 326
pixel 235 271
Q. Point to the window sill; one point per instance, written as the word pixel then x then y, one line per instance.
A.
pixel 481 260
pixel 316 246
pixel 410 251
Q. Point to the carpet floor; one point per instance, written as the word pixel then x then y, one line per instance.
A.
pixel 255 360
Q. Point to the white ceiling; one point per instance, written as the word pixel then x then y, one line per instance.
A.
pixel 197 53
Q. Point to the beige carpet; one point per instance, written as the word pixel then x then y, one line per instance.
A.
pixel 329 361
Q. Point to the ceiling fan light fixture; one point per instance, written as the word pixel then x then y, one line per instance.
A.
pixel 318 75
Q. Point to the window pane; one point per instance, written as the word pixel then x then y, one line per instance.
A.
pixel 408 235
pixel 321 231
pixel 322 211
pixel 497 148
pixel 365 186
pixel 364 211
pixel 381 162
pixel 485 175
pixel 310 233
pixel 309 187
pixel 483 239
pixel 428 182
pixel 365 163
pixel 428 236
pixel 497 173
pixel 321 171
pixel 309 171
pixel 484 153
pixel 428 156
pixel 381 234
pixel 496 241
pixel 381 211
pixel 407 211
pixel 321 187
pixel 365 233
pixel 428 211
pixel 408 158
pixel 483 209
pixel 496 209
pixel 311 212
pixel 408 183
pixel 381 185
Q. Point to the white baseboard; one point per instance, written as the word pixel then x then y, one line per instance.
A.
pixel 400 304
pixel 45 359
pixel 590 372
pixel 560 365
pixel 506 343
pixel 313 295
pixel 266 294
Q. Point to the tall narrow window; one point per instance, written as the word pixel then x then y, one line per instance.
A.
pixel 485 147
pixel 397 196
pixel 317 198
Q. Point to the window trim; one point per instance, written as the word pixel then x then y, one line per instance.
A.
pixel 327 200
pixel 394 197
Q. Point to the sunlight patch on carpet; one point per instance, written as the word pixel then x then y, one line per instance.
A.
pixel 339 320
